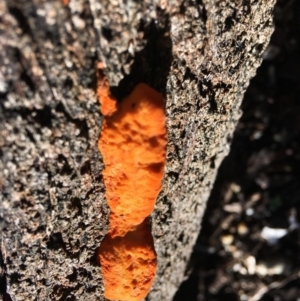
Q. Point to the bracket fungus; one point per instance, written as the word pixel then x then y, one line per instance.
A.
pixel 133 147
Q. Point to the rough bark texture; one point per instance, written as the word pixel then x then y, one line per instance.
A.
pixel 53 214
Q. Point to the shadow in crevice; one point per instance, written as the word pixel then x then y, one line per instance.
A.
pixel 4 296
pixel 152 64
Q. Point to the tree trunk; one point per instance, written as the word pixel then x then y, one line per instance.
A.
pixel 200 54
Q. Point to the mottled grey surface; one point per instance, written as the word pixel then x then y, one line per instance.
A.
pixel 199 54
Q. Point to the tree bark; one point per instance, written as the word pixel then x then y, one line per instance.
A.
pixel 200 54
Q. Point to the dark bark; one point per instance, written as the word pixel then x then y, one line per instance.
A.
pixel 53 215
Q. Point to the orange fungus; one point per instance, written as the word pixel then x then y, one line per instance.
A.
pixel 132 143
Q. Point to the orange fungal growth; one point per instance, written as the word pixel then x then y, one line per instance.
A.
pixel 128 264
pixel 132 143
pixel 107 101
